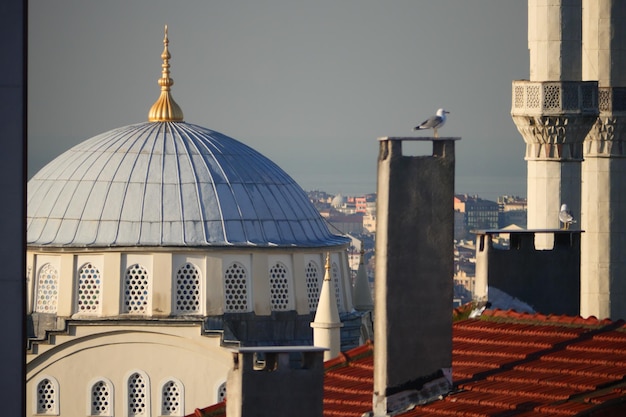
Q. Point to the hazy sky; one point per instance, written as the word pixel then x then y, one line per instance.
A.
pixel 310 84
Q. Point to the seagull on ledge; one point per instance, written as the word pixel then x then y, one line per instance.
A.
pixel 434 122
pixel 566 217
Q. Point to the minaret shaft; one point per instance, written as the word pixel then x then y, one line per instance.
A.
pixel 603 193
pixel 554 111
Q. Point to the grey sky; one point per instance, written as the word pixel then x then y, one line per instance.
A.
pixel 310 84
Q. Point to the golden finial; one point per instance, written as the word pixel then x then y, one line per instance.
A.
pixel 327 275
pixel 165 109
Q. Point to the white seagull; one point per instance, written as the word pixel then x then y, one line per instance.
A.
pixel 434 122
pixel 566 217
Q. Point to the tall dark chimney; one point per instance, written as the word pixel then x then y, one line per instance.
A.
pixel 414 270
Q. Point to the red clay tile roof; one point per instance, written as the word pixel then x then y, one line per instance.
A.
pixel 506 364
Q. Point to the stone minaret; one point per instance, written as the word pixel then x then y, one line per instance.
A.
pixel 362 295
pixel 603 215
pixel 554 110
pixel 327 324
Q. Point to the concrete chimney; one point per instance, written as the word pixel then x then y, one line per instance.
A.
pixel 273 381
pixel 548 280
pixel 414 269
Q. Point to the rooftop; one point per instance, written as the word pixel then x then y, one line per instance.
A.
pixel 504 364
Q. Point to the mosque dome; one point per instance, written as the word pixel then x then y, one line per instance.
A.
pixel 172 184
pixel 166 182
pixel 338 201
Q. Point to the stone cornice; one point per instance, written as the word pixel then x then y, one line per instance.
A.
pixel 554 137
pixel 607 137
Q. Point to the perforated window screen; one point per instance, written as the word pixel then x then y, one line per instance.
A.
pixel 236 289
pixel 136 290
pixel 188 289
pixel 89 289
pixel 279 287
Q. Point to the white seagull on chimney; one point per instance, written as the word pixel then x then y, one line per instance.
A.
pixel 434 122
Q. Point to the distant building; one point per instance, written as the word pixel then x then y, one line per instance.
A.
pixel 369 222
pixel 347 223
pixel 460 230
pixel 477 213
pixel 365 203
pixel 464 270
pixel 513 211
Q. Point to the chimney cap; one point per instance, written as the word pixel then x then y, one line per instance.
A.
pixel 419 138
pixel 278 349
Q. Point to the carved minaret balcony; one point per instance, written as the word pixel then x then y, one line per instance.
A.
pixel 554 117
pixel 607 137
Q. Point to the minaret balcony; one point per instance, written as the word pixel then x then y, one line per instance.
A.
pixel 554 98
pixel 554 117
pixel 607 137
pixel 612 100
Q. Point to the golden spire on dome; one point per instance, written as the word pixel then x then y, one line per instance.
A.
pixel 165 109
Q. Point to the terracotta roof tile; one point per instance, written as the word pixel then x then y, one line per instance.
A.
pixel 507 364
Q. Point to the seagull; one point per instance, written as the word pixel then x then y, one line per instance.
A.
pixel 566 217
pixel 434 122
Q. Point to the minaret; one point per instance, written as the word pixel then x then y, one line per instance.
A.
pixel 165 109
pixel 362 295
pixel 327 325
pixel 554 110
pixel 603 216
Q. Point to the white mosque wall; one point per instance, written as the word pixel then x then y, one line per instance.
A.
pixel 101 338
pixel 195 365
pixel 84 285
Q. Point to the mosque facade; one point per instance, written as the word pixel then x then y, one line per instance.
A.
pixel 154 248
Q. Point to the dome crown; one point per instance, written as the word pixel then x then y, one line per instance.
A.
pixel 165 109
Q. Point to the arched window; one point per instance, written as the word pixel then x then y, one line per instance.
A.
pixel 172 398
pixel 312 285
pixel 47 396
pixel 47 289
pixel 188 289
pixel 221 392
pixel 136 290
pixel 101 398
pixel 89 291
pixel 236 289
pixel 138 395
pixel 337 282
pixel 279 287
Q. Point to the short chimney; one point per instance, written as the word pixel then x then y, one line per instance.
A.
pixel 548 280
pixel 414 270
pixel 327 324
pixel 274 381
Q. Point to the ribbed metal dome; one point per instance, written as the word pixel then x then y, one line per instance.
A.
pixel 169 184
